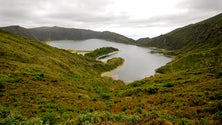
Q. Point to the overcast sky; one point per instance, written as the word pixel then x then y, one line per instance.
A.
pixel 132 18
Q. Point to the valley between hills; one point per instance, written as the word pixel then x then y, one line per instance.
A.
pixel 40 84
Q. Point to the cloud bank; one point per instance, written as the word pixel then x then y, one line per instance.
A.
pixel 133 18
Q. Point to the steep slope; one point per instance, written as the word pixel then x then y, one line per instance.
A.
pixel 187 90
pixel 60 33
pixel 188 38
pixel 42 83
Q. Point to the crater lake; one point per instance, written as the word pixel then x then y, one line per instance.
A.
pixel 139 62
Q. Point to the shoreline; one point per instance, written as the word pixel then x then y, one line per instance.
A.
pixel 109 73
pixel 81 52
pixel 108 54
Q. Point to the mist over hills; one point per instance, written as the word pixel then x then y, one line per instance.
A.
pixel 60 33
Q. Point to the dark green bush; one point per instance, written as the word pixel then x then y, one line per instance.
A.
pixel 49 118
pixel 14 119
pixel 1 87
pixel 139 109
pixel 168 84
pixel 38 76
pixel 124 108
pixel 91 109
pixel 152 90
pixel 105 96
pixel 93 99
pixel 219 115
pixel 4 112
pixel 81 87
pixel 219 75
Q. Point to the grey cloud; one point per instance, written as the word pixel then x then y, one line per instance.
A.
pixel 38 11
pixel 98 13
pixel 215 5
pixel 196 10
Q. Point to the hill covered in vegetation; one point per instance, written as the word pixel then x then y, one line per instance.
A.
pixel 40 84
pixel 60 33
pixel 188 90
pixel 205 34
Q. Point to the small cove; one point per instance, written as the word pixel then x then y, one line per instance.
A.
pixel 139 62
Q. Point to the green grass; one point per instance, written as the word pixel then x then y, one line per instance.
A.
pixel 46 84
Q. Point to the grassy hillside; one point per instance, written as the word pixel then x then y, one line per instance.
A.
pixel 42 83
pixel 189 89
pixel 201 35
pixel 60 33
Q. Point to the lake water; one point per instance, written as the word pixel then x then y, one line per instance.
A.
pixel 139 62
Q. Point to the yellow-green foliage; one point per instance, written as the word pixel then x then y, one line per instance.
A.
pixel 208 58
pixel 39 83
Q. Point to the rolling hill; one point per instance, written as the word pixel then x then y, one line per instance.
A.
pixel 188 38
pixel 188 89
pixel 36 80
pixel 60 33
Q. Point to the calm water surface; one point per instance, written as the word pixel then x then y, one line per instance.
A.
pixel 139 62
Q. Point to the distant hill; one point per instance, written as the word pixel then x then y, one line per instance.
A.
pixel 60 33
pixel 19 31
pixel 194 36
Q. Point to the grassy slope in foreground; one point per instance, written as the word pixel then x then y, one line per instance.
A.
pixel 39 83
pixel 189 90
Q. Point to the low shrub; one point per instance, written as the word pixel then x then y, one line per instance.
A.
pixel 4 112
pixel 168 84
pixel 81 87
pixel 139 110
pixel 38 76
pixel 152 89
pixel 218 115
pixel 50 118
pixel 13 119
pixel 105 96
pixel 91 119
